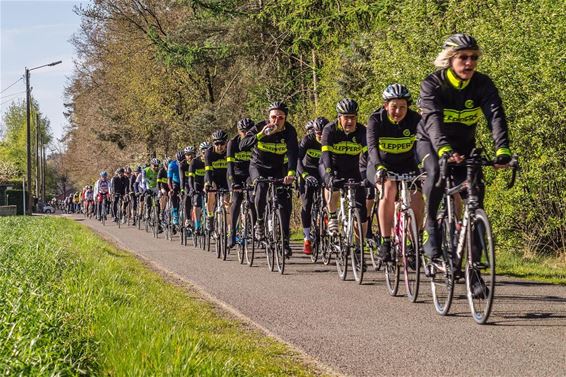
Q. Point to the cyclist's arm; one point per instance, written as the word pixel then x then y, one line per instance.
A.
pixel 492 108
pixel 231 160
pixel 372 135
pixel 209 170
pixel 292 147
pixel 192 176
pixel 327 142
pixel 303 146
pixel 249 140
pixel 170 168
pixel 433 116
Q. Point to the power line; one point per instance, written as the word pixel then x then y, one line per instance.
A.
pixel 11 95
pixel 11 85
pixel 11 99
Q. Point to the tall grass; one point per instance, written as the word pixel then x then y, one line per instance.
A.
pixel 71 304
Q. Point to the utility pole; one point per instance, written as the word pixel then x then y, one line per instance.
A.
pixel 28 146
pixel 43 167
pixel 37 157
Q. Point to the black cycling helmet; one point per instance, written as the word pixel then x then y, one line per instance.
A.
pixel 245 124
pixel 154 161
pixel 396 91
pixel 347 106
pixel 120 171
pixel 309 127
pixel 204 145
pixel 180 156
pixel 278 106
pixel 128 169
pixel 461 41
pixel 319 124
pixel 219 136
pixel 139 169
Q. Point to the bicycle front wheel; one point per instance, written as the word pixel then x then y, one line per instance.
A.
pixel 442 276
pixel 411 261
pixel 356 248
pixel 248 240
pixel 480 267
pixel 325 248
pixel 278 239
pixel 392 271
pixel 339 244
pixel 223 236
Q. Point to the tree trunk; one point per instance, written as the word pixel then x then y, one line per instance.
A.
pixel 209 86
pixel 314 80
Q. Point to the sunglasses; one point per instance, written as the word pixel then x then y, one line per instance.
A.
pixel 219 143
pixel 277 117
pixel 464 58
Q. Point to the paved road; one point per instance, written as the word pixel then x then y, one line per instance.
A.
pixel 362 331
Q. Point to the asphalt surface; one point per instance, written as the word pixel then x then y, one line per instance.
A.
pixel 361 330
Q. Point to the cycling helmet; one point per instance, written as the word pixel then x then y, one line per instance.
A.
pixel 219 136
pixel 245 124
pixel 204 145
pixel 189 150
pixel 154 161
pixel 319 124
pixel 461 41
pixel 180 156
pixel 128 169
pixel 309 127
pixel 103 174
pixel 347 106
pixel 278 106
pixel 396 91
pixel 139 169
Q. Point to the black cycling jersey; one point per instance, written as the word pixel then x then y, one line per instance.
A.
pixel 184 174
pixel 238 161
pixel 162 182
pixel 196 174
pixel 341 152
pixel 215 166
pixel 271 152
pixel 309 156
pixel 452 108
pixel 391 145
pixel 120 184
pixel 131 183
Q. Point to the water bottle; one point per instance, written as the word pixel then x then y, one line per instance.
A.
pixel 269 130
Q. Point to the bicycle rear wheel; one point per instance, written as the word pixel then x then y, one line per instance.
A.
pixel 357 252
pixel 481 267
pixel 315 233
pixel 278 241
pixel 442 279
pixel 411 260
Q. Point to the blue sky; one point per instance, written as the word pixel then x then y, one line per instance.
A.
pixel 33 33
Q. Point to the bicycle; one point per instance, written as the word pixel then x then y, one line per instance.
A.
pixel 317 226
pixel 274 232
pixel 220 233
pixel 405 244
pixel 472 240
pixel 350 228
pixel 246 247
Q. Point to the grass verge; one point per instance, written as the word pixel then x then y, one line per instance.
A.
pixel 72 304
pixel 550 270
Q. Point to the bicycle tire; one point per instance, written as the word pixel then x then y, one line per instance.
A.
pixel 223 234
pixel 357 253
pixel 442 281
pixel 341 256
pixel 269 248
pixel 315 233
pixel 325 250
pixel 392 270
pixel 249 241
pixel 374 243
pixel 411 259
pixel 479 231
pixel 278 237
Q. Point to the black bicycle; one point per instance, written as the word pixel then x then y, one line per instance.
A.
pixel 469 243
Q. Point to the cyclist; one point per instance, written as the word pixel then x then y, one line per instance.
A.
pixel 118 188
pixel 89 199
pixel 453 100
pixel 163 186
pixel 391 133
pixel 148 185
pixel 238 174
pixel 270 142
pixel 174 183
pixel 196 183
pixel 343 142
pixel 77 202
pixel 216 167
pixel 133 190
pixel 307 167
pixel 102 189
pixel 189 153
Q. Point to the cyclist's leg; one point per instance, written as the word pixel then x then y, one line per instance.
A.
pixel 433 195
pixel 260 199
pixel 175 203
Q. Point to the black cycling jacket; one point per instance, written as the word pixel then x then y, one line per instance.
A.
pixel 310 151
pixel 392 145
pixel 184 174
pixel 269 151
pixel 215 166
pixel 451 109
pixel 238 161
pixel 341 152
pixel 196 174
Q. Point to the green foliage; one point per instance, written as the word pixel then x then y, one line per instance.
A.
pixel 71 304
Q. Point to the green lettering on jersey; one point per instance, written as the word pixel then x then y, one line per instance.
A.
pixel 243 156
pixel 467 117
pixel 396 145
pixel 348 147
pixel 275 148
pixel 220 164
pixel 314 153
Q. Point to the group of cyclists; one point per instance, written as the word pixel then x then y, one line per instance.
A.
pixel 332 156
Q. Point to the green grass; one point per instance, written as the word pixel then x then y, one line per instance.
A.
pixel 72 304
pixel 550 270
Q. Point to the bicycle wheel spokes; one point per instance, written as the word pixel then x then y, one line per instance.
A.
pixel 223 234
pixel 249 242
pixel 325 248
pixel 442 279
pixel 411 260
pixel 480 274
pixel 357 248
pixel 341 250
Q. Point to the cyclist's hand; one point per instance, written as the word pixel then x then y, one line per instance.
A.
pixel 502 160
pixel 236 187
pixel 288 179
pixel 380 176
pixel 311 181
pixel 207 186
pixel 456 158
pixel 163 191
